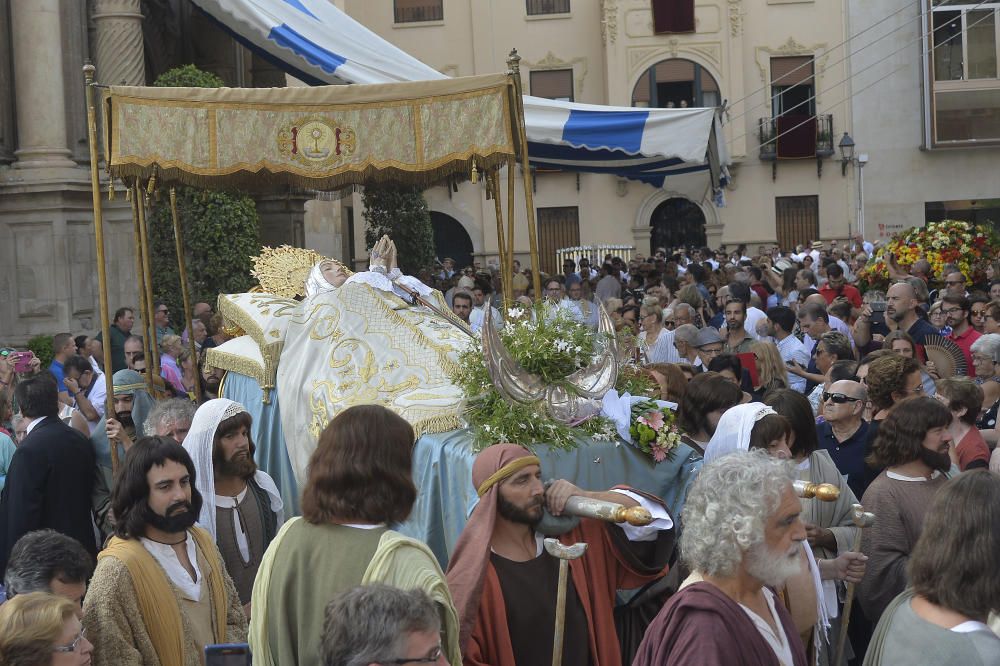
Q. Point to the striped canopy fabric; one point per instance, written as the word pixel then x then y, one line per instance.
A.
pixel 679 149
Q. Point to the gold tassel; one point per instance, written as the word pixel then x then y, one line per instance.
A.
pixel 151 185
pixel 475 173
pixel 111 190
pixel 128 194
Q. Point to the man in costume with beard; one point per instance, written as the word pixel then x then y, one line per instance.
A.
pixel 132 404
pixel 160 592
pixel 505 585
pixel 743 535
pixel 241 507
pixel 912 447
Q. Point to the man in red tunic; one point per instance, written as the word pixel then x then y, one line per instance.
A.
pixel 742 536
pixel 504 583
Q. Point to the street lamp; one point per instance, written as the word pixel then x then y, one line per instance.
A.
pixel 846 147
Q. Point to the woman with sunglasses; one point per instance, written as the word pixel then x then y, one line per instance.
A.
pixel 42 629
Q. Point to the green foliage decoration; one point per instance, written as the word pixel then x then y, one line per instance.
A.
pixel 41 345
pixel 220 230
pixel 188 76
pixel 547 345
pixel 401 212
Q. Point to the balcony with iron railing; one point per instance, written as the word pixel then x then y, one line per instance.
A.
pixel 796 136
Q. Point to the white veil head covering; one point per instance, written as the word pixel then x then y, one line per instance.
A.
pixel 316 283
pixel 733 431
pixel 200 445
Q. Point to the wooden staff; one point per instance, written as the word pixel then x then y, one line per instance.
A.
pixel 861 519
pixel 178 242
pixel 564 555
pixel 493 181
pixel 102 277
pixel 513 62
pixel 142 284
pixel 153 362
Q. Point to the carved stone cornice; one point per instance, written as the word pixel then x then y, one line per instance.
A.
pixel 552 61
pixel 735 17
pixel 792 48
pixel 609 21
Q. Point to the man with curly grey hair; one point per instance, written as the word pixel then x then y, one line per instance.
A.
pixel 742 535
pixel 170 418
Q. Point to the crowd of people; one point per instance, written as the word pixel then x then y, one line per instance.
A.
pixel 782 370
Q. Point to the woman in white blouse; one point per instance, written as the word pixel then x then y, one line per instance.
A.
pixel 656 342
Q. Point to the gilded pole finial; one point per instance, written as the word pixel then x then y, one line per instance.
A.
pixel 514 62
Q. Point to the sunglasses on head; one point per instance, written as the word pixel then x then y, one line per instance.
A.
pixel 838 398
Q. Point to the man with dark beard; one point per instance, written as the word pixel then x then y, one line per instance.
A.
pixel 742 536
pixel 241 508
pixel 160 592
pixel 504 583
pixel 132 405
pixel 912 445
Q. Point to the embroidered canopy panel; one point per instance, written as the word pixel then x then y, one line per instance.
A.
pixel 321 137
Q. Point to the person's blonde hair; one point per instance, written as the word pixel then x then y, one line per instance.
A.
pixel 770 366
pixel 30 625
pixel 171 342
pixel 689 294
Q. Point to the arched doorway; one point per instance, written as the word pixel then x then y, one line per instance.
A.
pixel 677 222
pixel 676 83
pixel 451 239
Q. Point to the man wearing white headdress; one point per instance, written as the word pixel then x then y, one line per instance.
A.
pixel 755 426
pixel 241 506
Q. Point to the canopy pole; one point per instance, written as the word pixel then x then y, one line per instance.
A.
pixel 514 63
pixel 508 267
pixel 134 198
pixel 152 363
pixel 179 243
pixel 102 277
pixel 493 178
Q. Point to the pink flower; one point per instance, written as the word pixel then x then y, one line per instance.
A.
pixel 654 419
pixel 659 453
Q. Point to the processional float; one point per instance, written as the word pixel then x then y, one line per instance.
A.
pixel 320 138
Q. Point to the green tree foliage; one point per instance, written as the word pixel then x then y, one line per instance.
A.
pixel 188 76
pixel 220 233
pixel 401 212
pixel 220 230
pixel 42 346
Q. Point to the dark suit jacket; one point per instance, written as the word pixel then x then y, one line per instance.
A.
pixel 49 484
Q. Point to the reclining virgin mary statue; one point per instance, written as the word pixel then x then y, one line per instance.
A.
pixel 354 338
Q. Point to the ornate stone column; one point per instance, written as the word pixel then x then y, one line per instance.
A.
pixel 118 42
pixel 38 84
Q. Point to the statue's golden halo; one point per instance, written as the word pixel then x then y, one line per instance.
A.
pixel 283 270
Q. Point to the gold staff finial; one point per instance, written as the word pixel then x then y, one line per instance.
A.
pixel 514 62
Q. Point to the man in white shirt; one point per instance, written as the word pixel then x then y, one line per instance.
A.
pixel 87 389
pixel 780 324
pixel 738 291
pixel 578 308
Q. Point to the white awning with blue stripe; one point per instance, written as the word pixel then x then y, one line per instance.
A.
pixel 679 149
